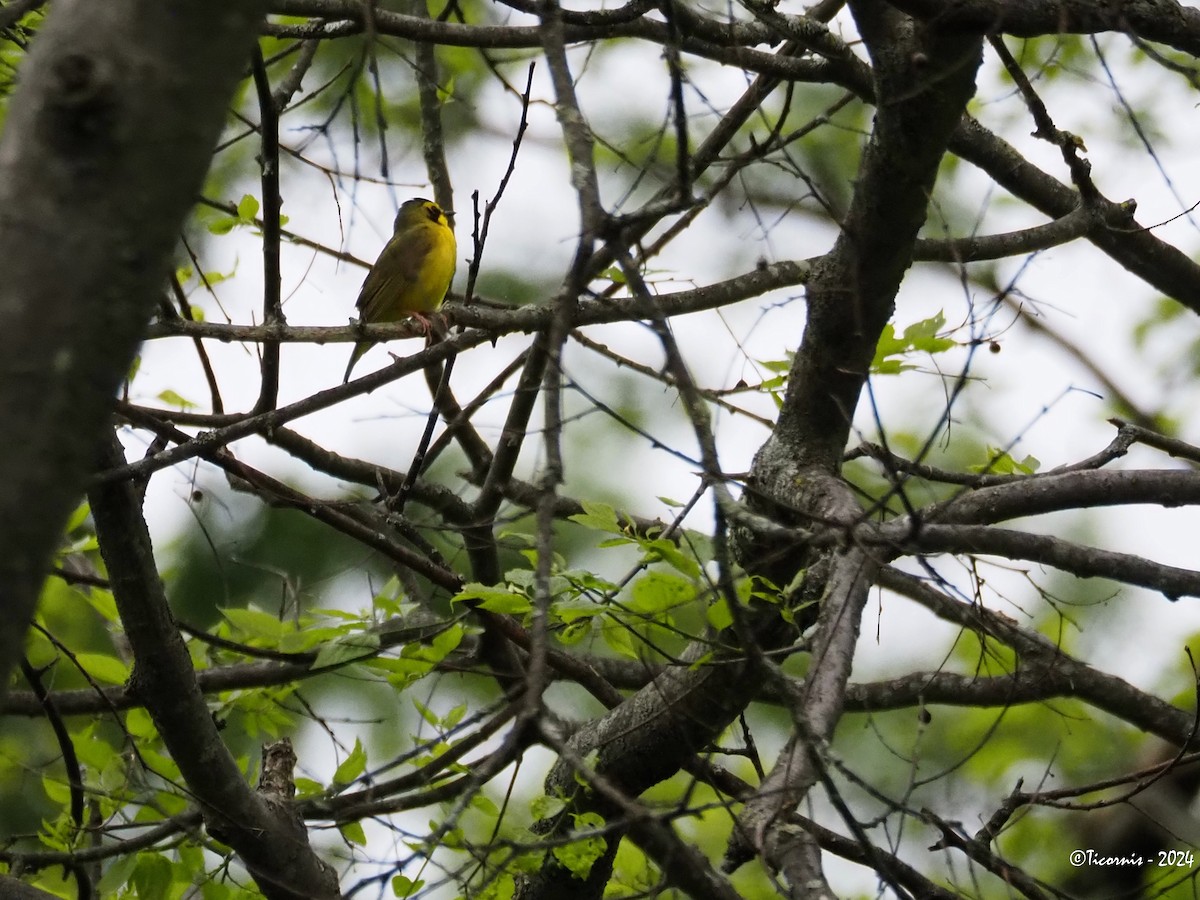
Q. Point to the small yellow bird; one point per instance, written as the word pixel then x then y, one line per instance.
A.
pixel 413 271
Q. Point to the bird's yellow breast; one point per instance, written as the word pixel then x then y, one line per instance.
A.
pixel 437 268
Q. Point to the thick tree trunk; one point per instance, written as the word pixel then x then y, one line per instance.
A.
pixel 106 142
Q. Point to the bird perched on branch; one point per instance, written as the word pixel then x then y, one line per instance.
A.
pixel 413 271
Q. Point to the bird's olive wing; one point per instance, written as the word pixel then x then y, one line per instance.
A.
pixel 387 292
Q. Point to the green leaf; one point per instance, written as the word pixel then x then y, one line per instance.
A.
pixel 57 834
pixel 447 641
pixel 923 335
pixel 669 553
pixel 426 713
pixel 339 614
pixel 78 517
pixel 153 875
pixel 307 787
pixel 191 859
pixel 577 610
pixel 452 839
pixel 223 225
pixel 255 623
pixel 620 639
pixel 545 806
pixel 353 832
pixel 658 592
pixel 173 399
pixel 211 278
pixel 484 804
pixel 307 638
pixel 352 766
pixel 502 887
pixel 781 366
pixel 417 660
pixel 493 599
pixel 574 633
pixel 102 667
pixel 579 855
pixel 247 208
pixel 1000 463
pixel 57 790
pixel 220 890
pixel 718 614
pixel 889 345
pixel 598 517
pixel 139 724
pixel 455 715
pixel 94 750
pixel 615 542
pixel 402 885
pixel 346 648
pixel 919 337
pixel 521 579
pixel 104 603
pixel 117 875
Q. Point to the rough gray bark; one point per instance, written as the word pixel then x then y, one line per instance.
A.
pixel 89 212
pixel 923 79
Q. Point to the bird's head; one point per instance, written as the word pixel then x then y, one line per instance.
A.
pixel 413 212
